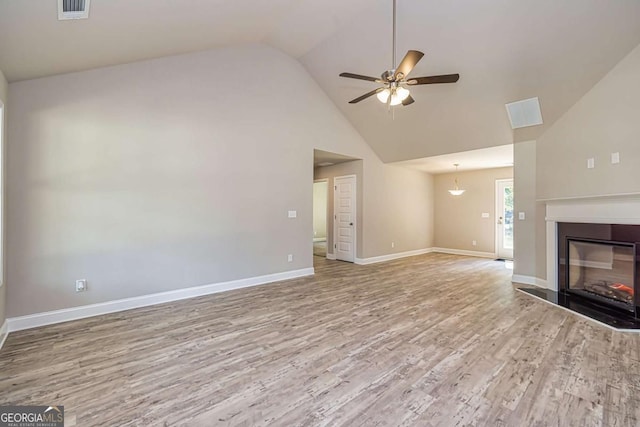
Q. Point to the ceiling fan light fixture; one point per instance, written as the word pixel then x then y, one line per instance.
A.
pixel 402 93
pixel 383 95
pixel 399 95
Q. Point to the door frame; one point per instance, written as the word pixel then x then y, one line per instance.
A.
pixel 326 216
pixel 497 211
pixel 355 212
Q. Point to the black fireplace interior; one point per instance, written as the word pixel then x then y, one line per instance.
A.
pixel 602 270
pixel 598 266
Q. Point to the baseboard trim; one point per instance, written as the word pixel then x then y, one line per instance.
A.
pixel 331 256
pixel 529 280
pixel 390 257
pixel 465 253
pixel 65 315
pixel 4 333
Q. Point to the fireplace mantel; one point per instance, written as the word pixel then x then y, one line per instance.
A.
pixel 609 209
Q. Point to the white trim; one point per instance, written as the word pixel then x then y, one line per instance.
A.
pixel 635 331
pixel 4 332
pixel 529 280
pixel 389 257
pixel 82 312
pixel 464 252
pixel 331 256
pixel 603 197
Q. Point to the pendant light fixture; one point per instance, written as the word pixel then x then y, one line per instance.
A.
pixel 457 191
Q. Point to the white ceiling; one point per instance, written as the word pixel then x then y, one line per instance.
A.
pixel 483 158
pixel 504 51
pixel 33 43
pixel 321 158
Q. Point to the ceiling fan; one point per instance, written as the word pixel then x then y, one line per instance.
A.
pixel 393 90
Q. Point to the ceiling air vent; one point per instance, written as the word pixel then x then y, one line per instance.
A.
pixel 73 9
pixel 524 113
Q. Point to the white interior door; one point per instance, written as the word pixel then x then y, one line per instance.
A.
pixel 344 223
pixel 504 216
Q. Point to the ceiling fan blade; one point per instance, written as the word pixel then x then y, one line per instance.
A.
pixel 366 95
pixel 408 101
pixel 360 77
pixel 446 78
pixel 408 62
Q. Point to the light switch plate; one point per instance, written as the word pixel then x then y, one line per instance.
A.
pixel 293 214
pixel 521 216
pixel 615 158
pixel 591 163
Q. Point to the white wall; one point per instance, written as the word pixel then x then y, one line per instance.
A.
pixel 178 172
pixel 524 200
pixel 604 121
pixel 4 92
pixel 458 219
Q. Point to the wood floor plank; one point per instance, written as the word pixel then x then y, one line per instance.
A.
pixel 431 340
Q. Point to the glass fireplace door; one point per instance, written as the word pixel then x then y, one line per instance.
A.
pixel 602 270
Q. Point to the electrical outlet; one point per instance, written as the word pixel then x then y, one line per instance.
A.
pixel 290 257
pixel 81 285
pixel 393 244
pixel 474 243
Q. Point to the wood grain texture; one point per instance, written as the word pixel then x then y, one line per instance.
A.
pixel 431 340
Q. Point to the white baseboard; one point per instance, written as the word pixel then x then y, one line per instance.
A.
pixel 389 257
pixel 4 333
pixel 529 280
pixel 82 312
pixel 465 253
pixel 331 256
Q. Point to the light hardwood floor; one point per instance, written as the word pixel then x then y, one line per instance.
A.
pixel 432 340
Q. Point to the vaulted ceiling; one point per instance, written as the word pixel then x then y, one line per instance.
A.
pixel 504 50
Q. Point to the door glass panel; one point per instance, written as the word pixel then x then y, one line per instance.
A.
pixel 507 214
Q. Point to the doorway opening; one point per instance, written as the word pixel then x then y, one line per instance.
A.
pixel 320 213
pixel 504 215
pixel 336 193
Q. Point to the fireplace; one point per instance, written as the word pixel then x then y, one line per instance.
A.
pixel 593 258
pixel 598 263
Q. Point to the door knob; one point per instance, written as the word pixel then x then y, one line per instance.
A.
pixel 350 223
pixel 500 220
